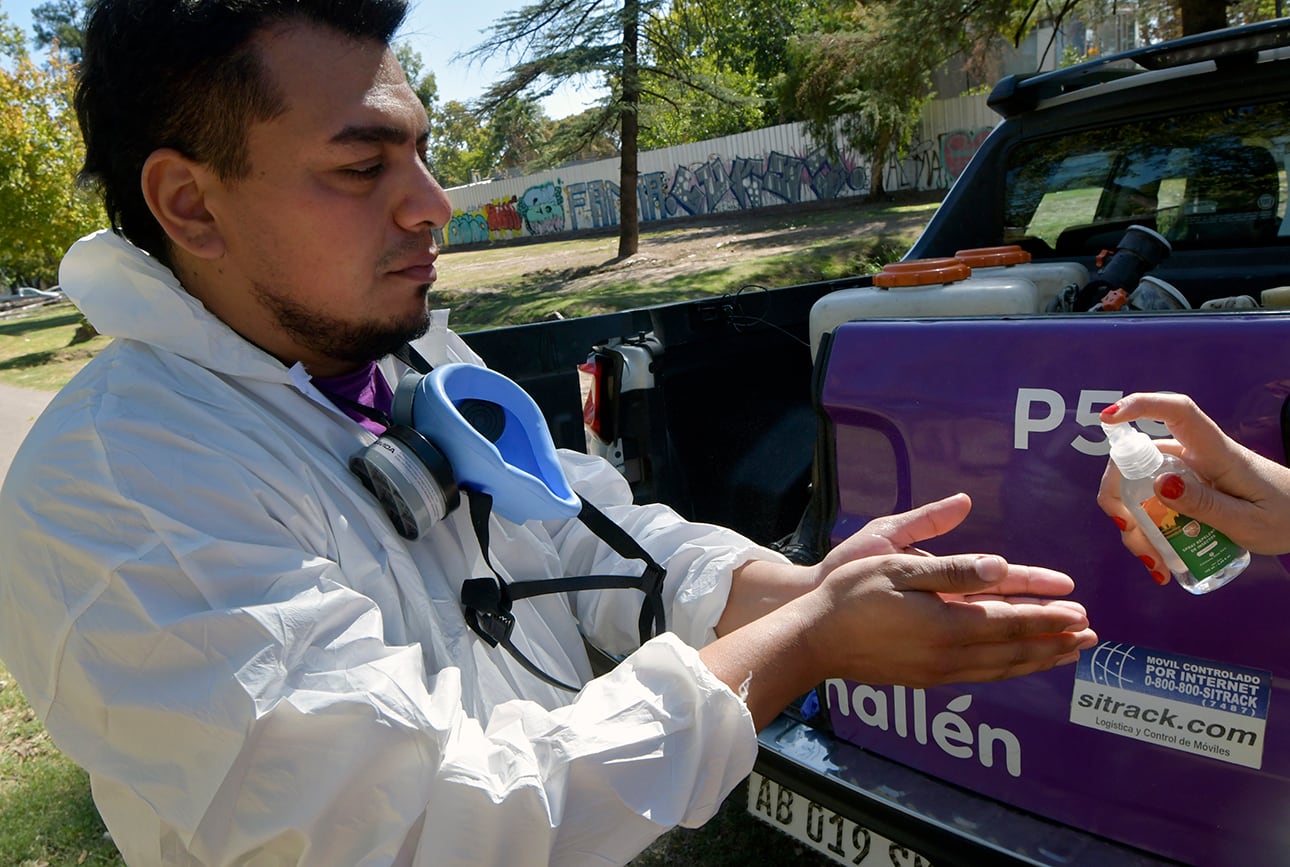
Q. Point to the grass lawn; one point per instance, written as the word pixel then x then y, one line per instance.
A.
pixel 36 348
pixel 47 818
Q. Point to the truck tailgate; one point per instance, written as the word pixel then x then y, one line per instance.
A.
pixel 1173 735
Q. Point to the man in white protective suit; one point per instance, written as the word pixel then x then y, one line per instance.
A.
pixel 214 615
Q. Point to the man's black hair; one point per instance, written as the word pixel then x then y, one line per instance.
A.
pixel 184 74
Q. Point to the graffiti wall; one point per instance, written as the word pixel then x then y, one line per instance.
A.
pixel 775 166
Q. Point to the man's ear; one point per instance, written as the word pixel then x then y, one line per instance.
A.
pixel 174 187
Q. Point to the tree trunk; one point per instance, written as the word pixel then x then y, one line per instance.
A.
pixel 629 127
pixel 1201 16
pixel 878 164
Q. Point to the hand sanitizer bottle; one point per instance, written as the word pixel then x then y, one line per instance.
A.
pixel 1201 558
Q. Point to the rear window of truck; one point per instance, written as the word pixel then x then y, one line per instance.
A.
pixel 1208 180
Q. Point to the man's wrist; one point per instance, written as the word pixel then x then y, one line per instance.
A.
pixel 772 660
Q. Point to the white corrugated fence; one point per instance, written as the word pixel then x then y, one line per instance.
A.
pixel 773 166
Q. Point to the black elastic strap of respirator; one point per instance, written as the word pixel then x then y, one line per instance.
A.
pixel 487 601
pixel 413 359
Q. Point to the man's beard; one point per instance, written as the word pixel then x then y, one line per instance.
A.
pixel 357 342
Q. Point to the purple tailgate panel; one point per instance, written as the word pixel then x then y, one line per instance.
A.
pixel 1174 734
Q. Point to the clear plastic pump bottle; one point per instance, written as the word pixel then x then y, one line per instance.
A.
pixel 1201 558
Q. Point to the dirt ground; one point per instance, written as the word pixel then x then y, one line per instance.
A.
pixel 677 247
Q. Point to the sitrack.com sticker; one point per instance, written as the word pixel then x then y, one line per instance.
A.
pixel 1198 706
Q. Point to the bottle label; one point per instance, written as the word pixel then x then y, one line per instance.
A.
pixel 1203 549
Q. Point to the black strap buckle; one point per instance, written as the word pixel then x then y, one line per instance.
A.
pixel 653 619
pixel 487 601
pixel 488 610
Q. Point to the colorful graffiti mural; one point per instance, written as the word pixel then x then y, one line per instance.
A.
pixel 541 207
pixel 466 228
pixel 746 183
pixel 493 221
pixel 715 185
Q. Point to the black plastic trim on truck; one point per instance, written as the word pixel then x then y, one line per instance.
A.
pixel 1236 46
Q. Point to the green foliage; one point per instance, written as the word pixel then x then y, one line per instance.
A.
pixel 423 83
pixel 588 135
pixel 516 132
pixel 465 143
pixel 60 23
pixel 551 42
pixel 714 102
pixel 457 151
pixel 712 57
pixel 699 82
pixel 42 210
pixel 865 71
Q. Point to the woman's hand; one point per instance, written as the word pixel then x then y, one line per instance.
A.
pixel 1244 496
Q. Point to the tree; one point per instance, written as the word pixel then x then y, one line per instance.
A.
pixel 672 70
pixel 705 78
pixel 462 145
pixel 553 41
pixel 61 23
pixel 865 71
pixel 516 133
pixel 42 208
pixel 423 83
pixel 726 103
pixel 458 151
pixel 862 68
pixel 1160 20
pixel 568 139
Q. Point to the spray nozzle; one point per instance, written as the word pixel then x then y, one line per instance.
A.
pixel 1133 452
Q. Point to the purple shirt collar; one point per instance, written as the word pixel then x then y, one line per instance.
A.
pixel 365 387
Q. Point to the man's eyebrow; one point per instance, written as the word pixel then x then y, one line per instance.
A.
pixel 376 133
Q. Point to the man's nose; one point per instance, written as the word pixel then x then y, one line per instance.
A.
pixel 424 202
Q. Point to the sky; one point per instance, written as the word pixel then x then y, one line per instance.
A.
pixel 436 29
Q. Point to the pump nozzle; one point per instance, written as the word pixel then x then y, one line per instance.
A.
pixel 1133 452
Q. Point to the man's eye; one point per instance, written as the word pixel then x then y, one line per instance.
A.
pixel 365 171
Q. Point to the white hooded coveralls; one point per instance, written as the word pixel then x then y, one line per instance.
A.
pixel 215 619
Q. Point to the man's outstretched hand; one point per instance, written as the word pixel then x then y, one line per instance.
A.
pixel 881 610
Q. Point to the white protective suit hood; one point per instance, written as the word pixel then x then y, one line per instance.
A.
pixel 215 619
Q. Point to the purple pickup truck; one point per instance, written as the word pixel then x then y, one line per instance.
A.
pixel 1124 228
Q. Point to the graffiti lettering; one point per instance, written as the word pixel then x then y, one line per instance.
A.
pixel 542 209
pixel 593 204
pixel 466 229
pixel 719 183
pixel 502 218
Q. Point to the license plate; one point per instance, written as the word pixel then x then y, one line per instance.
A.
pixel 823 830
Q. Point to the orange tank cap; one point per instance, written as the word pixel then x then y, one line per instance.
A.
pixel 922 272
pixel 985 257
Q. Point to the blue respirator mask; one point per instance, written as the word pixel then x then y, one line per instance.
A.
pixel 465 428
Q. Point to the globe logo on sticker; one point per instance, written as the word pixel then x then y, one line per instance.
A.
pixel 1109 663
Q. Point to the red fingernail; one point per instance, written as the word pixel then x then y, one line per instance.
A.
pixel 1159 577
pixel 1111 410
pixel 1172 487
pixel 1147 561
pixel 1120 522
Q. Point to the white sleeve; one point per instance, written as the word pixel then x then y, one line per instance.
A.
pixel 236 697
